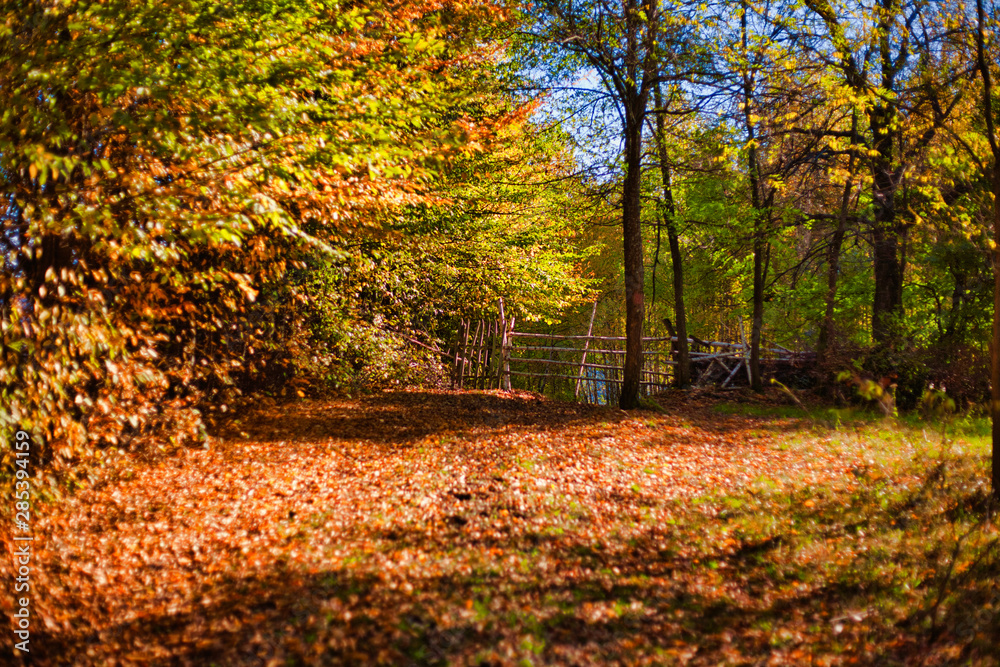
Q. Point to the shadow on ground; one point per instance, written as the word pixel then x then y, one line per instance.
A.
pixel 404 416
pixel 598 606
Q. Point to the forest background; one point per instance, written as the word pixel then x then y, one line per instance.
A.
pixel 206 203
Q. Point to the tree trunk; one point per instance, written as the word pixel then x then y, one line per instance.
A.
pixel 760 215
pixel 995 343
pixel 760 260
pixel 984 71
pixel 833 271
pixel 886 232
pixel 683 354
pixel 682 375
pixel 887 304
pixel 833 255
pixel 583 356
pixel 634 95
pixel 632 237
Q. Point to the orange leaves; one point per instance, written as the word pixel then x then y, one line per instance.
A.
pixel 413 525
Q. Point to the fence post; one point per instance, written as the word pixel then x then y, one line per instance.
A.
pixel 491 355
pixel 460 357
pixel 586 346
pixel 746 352
pixel 473 351
pixel 508 336
pixel 503 368
pixel 478 353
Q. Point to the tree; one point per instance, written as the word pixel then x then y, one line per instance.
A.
pixel 501 226
pixel 884 57
pixel 749 70
pixel 668 215
pixel 992 172
pixel 628 46
pixel 161 164
pixel 761 211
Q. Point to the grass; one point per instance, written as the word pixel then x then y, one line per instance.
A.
pixel 973 427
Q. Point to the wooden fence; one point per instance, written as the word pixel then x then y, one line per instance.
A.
pixel 488 353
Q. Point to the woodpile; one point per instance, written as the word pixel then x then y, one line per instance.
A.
pixel 728 364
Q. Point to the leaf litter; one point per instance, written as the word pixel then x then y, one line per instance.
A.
pixel 436 527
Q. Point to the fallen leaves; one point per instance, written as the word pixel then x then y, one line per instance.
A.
pixel 416 527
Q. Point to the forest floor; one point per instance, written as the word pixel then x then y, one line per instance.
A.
pixel 434 527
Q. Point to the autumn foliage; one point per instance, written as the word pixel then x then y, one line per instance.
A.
pixel 238 241
pixel 172 172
